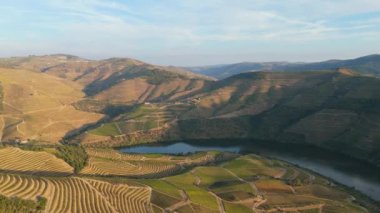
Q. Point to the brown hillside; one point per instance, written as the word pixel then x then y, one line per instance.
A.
pixel 38 106
pixel 120 80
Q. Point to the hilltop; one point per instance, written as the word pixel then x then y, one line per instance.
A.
pixel 116 80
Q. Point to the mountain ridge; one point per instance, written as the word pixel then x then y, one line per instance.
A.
pixel 368 65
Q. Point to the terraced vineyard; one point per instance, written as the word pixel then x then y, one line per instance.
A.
pixel 108 162
pixel 77 194
pixel 130 169
pixel 148 119
pixel 31 162
pixel 265 187
pixel 162 183
pixel 112 154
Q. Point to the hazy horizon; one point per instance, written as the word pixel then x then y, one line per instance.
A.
pixel 192 33
pixel 199 65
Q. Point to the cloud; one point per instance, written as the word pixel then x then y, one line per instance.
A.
pixel 106 28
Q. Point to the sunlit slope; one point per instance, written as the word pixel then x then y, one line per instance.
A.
pixel 251 184
pixel 143 123
pixel 242 95
pixel 77 194
pixel 338 110
pixel 140 90
pixel 15 160
pixel 116 80
pixel 83 70
pixel 129 81
pixel 108 162
pixel 250 93
pixel 38 106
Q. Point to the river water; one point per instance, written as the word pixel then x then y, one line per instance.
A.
pixel 342 169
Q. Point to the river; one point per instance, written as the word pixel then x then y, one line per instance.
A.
pixel 340 168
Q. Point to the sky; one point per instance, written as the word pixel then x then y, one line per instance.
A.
pixel 192 32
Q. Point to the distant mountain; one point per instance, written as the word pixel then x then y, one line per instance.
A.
pixel 367 65
pixel 227 70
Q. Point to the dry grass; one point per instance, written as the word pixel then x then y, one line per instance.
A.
pixel 129 91
pixel 37 106
pixel 139 90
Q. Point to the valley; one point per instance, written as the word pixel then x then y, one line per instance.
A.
pixel 122 106
pixel 64 118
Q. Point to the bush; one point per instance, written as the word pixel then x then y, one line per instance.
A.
pixel 15 204
pixel 74 155
pixel 30 147
pixel 41 203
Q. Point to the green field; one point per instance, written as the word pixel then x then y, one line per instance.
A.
pixel 108 129
pixel 238 208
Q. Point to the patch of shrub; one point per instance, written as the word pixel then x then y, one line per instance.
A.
pixel 74 155
pixel 15 204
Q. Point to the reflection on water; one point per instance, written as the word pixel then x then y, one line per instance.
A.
pixel 342 169
pixel 177 148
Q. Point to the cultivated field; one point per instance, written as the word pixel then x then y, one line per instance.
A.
pixel 267 187
pixel 109 162
pixel 77 194
pixel 15 160
pixel 144 123
pixel 162 183
pixel 130 169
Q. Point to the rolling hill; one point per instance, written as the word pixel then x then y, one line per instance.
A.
pixel 116 80
pixel 367 65
pixel 334 110
pixel 117 102
pixel 337 110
